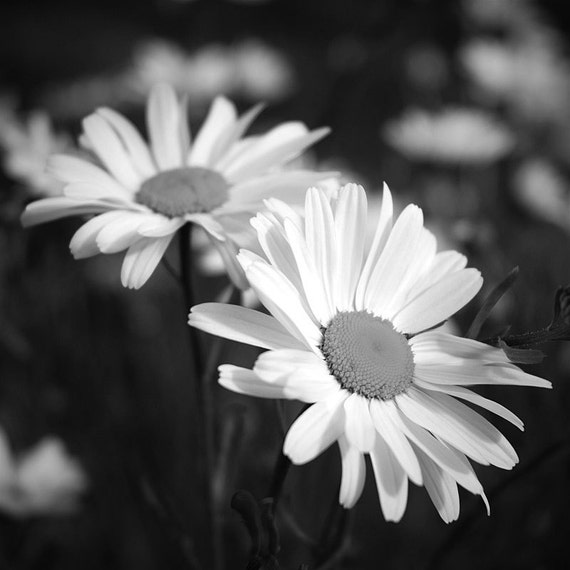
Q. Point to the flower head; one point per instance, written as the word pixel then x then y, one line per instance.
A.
pixel 453 135
pixel 42 481
pixel 142 194
pixel 354 334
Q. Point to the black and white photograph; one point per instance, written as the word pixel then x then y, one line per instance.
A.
pixel 284 285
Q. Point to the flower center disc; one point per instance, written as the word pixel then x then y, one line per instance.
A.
pixel 367 355
pixel 183 191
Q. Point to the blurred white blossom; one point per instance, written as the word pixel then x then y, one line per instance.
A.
pixel 531 76
pixel 249 69
pixel 26 144
pixel 453 135
pixel 541 189
pixel 44 480
pixel 514 16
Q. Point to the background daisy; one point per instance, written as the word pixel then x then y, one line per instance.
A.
pixel 142 194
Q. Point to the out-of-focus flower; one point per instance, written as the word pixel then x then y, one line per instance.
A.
pixel 146 192
pixel 351 332
pixel 542 190
pixel 454 135
pixel 262 73
pixel 250 69
pixel 26 145
pixel 531 77
pixel 202 76
pixel 45 480
pixel 515 16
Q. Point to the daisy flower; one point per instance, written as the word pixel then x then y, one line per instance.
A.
pixel 354 334
pixel 142 194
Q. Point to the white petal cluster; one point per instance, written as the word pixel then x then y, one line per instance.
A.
pixel 316 267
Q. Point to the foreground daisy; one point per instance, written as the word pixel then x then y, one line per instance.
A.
pixel 351 333
pixel 144 193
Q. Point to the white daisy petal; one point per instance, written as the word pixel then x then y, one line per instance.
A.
pixel 133 142
pixel 141 260
pixel 394 264
pixel 282 211
pixel 274 243
pixel 83 243
pixel 232 134
pixel 315 429
pixel 275 363
pixel 382 416
pixel 209 223
pixel 441 488
pixel 321 239
pixel 435 347
pixel 282 300
pixel 222 116
pixel 425 254
pixel 108 147
pixel 350 218
pixel 353 474
pixel 281 144
pixel 121 233
pixel 439 302
pixel 391 481
pixel 245 381
pixel 242 325
pixel 72 169
pixel 469 374
pixel 381 235
pixel 302 374
pixel 442 264
pixel 163 119
pixel 442 455
pixel 465 394
pixel 290 186
pixel 358 428
pixel 158 225
pixel 460 426
pixel 312 284
pixel 93 191
pixel 50 209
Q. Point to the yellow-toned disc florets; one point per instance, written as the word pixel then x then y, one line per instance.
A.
pixel 367 355
pixel 183 191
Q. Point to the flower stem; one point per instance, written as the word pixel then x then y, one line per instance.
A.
pixel 203 401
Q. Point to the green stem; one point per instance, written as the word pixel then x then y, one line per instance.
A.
pixel 203 401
